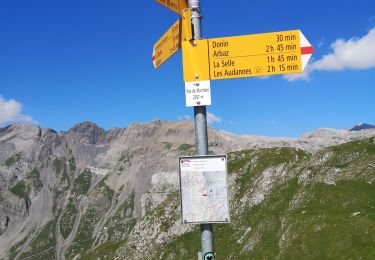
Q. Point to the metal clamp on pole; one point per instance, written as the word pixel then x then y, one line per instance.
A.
pixel 196 10
pixel 194 6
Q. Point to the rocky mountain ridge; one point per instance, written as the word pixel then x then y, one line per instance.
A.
pixel 361 127
pixel 63 193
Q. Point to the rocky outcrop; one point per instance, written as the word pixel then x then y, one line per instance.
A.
pixel 361 127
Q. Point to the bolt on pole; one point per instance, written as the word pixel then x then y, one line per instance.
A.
pixel 201 135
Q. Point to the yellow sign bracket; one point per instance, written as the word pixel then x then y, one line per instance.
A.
pixel 187 32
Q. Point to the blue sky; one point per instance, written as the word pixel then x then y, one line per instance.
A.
pixel 63 62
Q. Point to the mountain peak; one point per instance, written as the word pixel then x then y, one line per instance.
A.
pixel 87 132
pixel 362 126
pixel 83 125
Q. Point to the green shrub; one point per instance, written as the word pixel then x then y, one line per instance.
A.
pixel 68 218
pixel 20 190
pixel 13 159
pixel 34 176
pixel 83 182
pixel 185 147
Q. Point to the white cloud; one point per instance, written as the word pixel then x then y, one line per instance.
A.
pixel 211 118
pixel 355 54
pixel 263 77
pixel 10 112
pixel 184 118
pixel 305 75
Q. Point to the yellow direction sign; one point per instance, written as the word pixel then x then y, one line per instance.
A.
pixel 258 55
pixel 167 45
pixel 175 5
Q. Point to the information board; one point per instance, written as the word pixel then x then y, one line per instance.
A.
pixel 204 189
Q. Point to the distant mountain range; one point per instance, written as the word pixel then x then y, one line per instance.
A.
pixel 362 127
pixel 87 193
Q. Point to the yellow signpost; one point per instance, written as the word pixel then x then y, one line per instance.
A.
pixel 175 5
pixel 167 45
pixel 255 55
pixel 223 58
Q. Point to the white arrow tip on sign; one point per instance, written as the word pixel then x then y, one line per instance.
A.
pixel 306 50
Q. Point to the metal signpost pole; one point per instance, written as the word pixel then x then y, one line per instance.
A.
pixel 245 56
pixel 201 136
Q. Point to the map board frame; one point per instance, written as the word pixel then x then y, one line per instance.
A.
pixel 200 199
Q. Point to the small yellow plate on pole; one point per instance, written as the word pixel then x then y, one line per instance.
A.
pixel 195 60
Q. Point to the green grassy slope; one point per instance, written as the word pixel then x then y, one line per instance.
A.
pixel 319 206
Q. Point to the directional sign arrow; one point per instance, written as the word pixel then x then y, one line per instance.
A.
pixel 170 42
pixel 258 55
pixel 167 45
